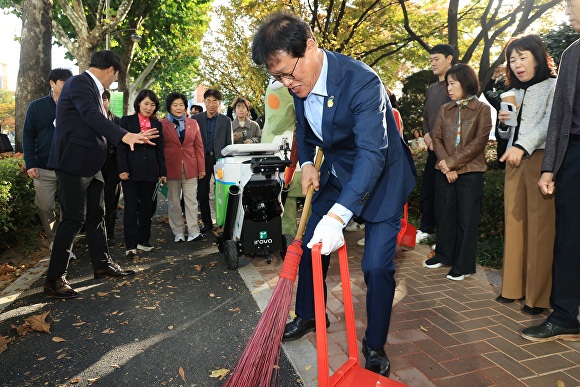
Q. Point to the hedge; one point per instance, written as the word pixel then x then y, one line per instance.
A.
pixel 17 208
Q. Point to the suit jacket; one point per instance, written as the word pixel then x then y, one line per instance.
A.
pixel 190 154
pixel 223 132
pixel 80 139
pixel 146 162
pixel 361 141
pixel 562 110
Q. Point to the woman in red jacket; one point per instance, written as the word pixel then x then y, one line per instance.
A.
pixel 184 159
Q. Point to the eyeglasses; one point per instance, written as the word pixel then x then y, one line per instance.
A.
pixel 289 76
pixel 567 4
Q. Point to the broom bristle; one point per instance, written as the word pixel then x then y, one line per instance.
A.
pixel 256 367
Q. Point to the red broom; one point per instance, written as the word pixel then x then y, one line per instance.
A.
pixel 259 360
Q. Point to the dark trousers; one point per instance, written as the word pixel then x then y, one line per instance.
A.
pixel 81 202
pixel 428 194
pixel 377 265
pixel 203 189
pixel 565 297
pixel 138 196
pixel 112 193
pixel 458 207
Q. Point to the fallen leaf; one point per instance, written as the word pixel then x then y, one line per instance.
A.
pixel 58 339
pixel 92 380
pixel 34 323
pixel 170 327
pixel 5 268
pixel 212 295
pixel 221 373
pixel 115 312
pixel 424 329
pixel 116 366
pixel 75 380
pixel 124 322
pixel 308 367
pixel 41 358
pixel 182 374
pixel 198 267
pixel 150 307
pixel 102 294
pixel 79 323
pixel 560 383
pixel 108 331
pixel 61 356
pixel 235 310
pixel 4 341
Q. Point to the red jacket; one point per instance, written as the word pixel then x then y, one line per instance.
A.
pixel 190 154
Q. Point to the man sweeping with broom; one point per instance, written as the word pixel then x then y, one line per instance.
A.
pixel 342 107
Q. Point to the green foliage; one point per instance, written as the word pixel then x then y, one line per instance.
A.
pixel 557 40
pixel 412 101
pixel 17 209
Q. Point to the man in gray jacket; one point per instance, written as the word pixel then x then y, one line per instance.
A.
pixel 561 167
pixel 216 134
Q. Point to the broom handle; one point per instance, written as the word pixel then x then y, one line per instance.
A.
pixel 308 200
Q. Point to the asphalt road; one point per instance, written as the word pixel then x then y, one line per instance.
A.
pixel 182 311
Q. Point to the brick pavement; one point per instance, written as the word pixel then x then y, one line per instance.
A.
pixel 443 333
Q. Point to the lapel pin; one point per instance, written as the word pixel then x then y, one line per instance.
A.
pixel 330 102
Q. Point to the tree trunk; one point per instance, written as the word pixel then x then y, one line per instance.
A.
pixel 35 59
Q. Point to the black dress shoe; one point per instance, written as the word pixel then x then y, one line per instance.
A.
pixel 504 300
pixel 547 331
pixel 376 360
pixel 113 270
pixel 206 228
pixel 297 328
pixel 532 310
pixel 59 288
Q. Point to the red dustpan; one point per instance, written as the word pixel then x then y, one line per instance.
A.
pixel 408 234
pixel 350 374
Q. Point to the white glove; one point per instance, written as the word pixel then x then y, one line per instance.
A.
pixel 329 232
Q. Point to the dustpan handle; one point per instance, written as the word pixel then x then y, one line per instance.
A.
pixel 308 200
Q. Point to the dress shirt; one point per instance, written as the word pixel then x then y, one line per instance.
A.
pixel 313 109
pixel 210 125
pixel 101 90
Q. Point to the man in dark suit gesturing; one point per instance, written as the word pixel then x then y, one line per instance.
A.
pixel 342 107
pixel 78 152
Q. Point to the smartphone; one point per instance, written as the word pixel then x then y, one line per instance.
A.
pixel 509 107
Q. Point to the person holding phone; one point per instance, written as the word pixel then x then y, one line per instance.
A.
pixel 529 215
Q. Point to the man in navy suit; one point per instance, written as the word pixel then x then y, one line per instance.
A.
pixel 342 107
pixel 78 152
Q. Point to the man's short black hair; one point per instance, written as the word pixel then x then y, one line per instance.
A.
pixel 59 74
pixel 445 49
pixel 466 76
pixel 197 108
pixel 144 94
pixel 102 60
pixel 281 32
pixel 172 97
pixel 211 93
pixel 106 95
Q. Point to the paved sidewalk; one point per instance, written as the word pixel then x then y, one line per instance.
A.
pixel 443 333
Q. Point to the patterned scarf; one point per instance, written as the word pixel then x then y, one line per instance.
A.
pixel 461 103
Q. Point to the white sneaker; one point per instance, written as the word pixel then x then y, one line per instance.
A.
pixel 146 247
pixel 421 236
pixel 195 237
pixel 354 226
pixel 131 253
pixel 361 242
pixel 179 238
